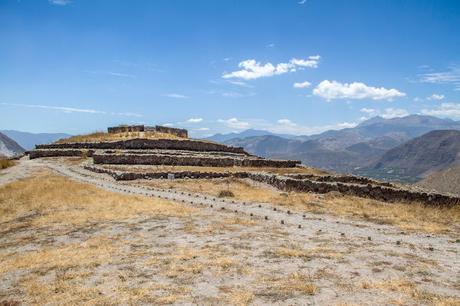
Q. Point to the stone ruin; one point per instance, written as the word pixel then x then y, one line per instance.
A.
pixel 182 133
pixel 191 152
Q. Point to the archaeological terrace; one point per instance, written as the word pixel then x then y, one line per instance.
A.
pixel 141 152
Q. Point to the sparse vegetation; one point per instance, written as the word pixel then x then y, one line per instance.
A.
pixel 409 217
pixel 6 163
pixel 103 136
pixel 225 194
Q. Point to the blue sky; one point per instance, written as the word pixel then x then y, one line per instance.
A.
pixel 297 67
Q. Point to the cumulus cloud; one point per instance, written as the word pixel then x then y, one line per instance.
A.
pixel 251 69
pixel 175 96
pixel 331 90
pixel 394 113
pixel 387 113
pixel 234 123
pixel 194 120
pixel 287 126
pixel 444 110
pixel 302 85
pixel 435 97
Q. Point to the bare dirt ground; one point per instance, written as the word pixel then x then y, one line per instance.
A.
pixel 69 236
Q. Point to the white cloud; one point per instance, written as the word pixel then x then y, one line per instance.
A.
pixel 201 129
pixel 233 94
pixel 235 123
pixel 449 76
pixel 240 83
pixel 368 110
pixel 435 97
pixel 167 124
pixel 114 74
pixel 270 45
pixel 286 126
pixel 394 113
pixel 331 90
pixel 175 95
pixel 73 109
pixel 388 113
pixel 194 120
pixel 302 85
pixel 251 69
pixel 444 110
pixel 302 1
pixel 60 2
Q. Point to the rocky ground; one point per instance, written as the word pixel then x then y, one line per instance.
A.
pixel 171 246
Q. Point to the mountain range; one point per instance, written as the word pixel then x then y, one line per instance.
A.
pixel 9 147
pixel 353 150
pixel 29 140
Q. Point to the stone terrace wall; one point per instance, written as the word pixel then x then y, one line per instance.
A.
pixel 125 129
pixel 201 161
pixel 380 193
pixel 167 144
pixel 56 153
pixel 128 176
pixel 183 133
pixel 340 178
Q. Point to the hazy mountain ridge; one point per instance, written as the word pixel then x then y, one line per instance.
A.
pixel 346 150
pixel 421 156
pixel 9 147
pixel 29 140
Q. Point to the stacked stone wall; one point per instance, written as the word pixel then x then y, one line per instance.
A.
pixel 56 153
pixel 125 129
pixel 183 133
pixel 139 144
pixel 200 161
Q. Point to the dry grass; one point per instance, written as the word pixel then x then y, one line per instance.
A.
pixel 409 217
pixel 410 290
pixel 103 136
pixel 57 242
pixel 286 287
pixel 307 254
pixel 162 168
pixel 6 163
pixel 54 199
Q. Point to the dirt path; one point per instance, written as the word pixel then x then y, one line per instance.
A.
pixel 360 260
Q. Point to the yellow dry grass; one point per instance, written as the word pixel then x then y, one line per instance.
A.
pixel 162 168
pixel 103 136
pixel 6 163
pixel 54 199
pixel 45 207
pixel 409 217
pixel 410 290
pixel 288 286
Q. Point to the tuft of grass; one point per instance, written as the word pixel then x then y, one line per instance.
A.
pixel 225 194
pixel 6 163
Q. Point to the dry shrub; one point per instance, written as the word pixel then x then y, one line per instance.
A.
pixel 225 194
pixel 6 163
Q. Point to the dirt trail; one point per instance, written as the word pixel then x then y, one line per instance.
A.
pixel 368 251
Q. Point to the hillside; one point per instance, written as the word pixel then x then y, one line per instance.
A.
pixel 429 153
pixel 446 181
pixel 346 150
pixel 9 147
pixel 29 140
